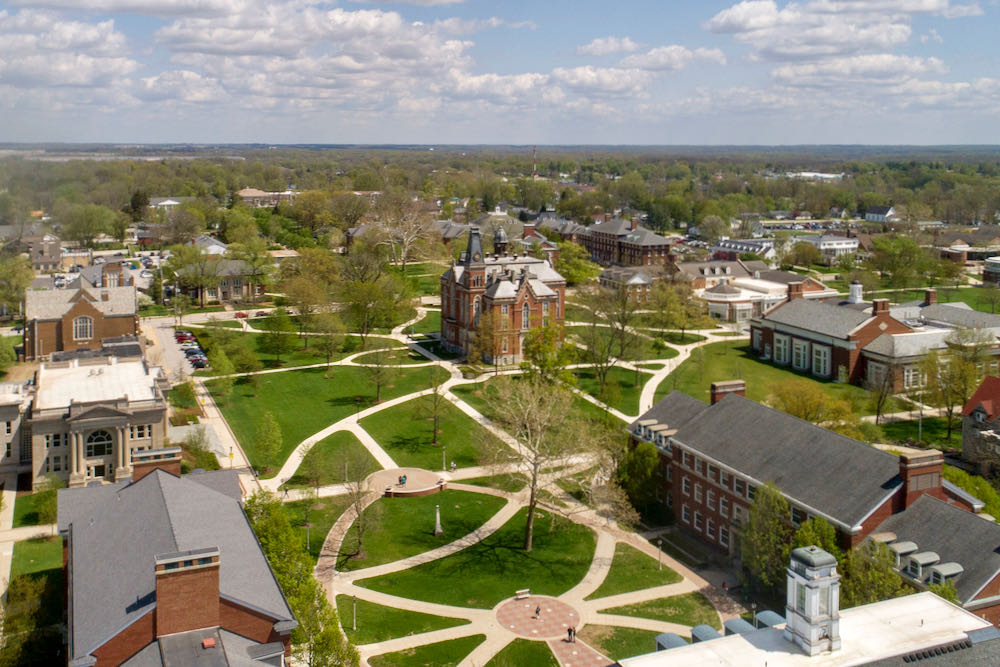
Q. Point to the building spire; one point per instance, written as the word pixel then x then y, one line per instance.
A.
pixel 474 251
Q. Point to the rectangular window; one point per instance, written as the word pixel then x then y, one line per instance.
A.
pixel 56 463
pixel 821 360
pixel 798 516
pixel 10 427
pixel 713 473
pixel 710 499
pixel 698 521
pixel 724 506
pixel 697 492
pixel 699 466
pixel 913 569
pixel 751 491
pixel 781 349
pixel 688 460
pixel 724 479
pixel 670 474
pixel 99 449
pixel 56 440
pixel 723 536
pixel 686 514
pixel 912 377
pixel 686 486
pixel 141 431
pixel 7 450
pixel 710 529
pixel 800 354
pixel 503 310
pixel 740 487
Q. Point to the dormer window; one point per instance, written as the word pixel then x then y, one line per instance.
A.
pixel 980 416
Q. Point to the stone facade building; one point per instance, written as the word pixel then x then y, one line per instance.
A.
pixel 90 416
pixel 77 318
pixel 164 569
pixel 518 292
pixel 15 440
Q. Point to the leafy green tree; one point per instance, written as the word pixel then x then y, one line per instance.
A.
pixel 546 356
pixel 138 205
pixel 952 376
pixel 305 295
pixel 368 305
pixel 220 363
pixel 268 439
pixel 85 222
pixel 194 269
pixel 636 474
pixel 8 356
pixel 818 532
pixel 20 617
pixel 16 276
pixel 330 334
pixel 574 264
pixel 868 574
pixel 379 371
pixel 712 228
pixel 802 253
pixel 767 538
pixel 279 336
pixel 946 590
pixel 256 262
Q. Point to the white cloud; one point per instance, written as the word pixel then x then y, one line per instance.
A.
pixel 180 86
pixel 931 35
pixel 162 8
pixel 672 57
pixel 603 46
pixel 457 26
pixel 421 3
pixel 602 80
pixel 864 69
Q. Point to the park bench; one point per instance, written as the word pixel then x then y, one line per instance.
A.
pixel 522 594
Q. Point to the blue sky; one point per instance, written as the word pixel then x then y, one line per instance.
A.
pixel 545 72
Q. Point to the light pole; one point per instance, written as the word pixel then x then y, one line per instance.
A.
pixel 444 450
pixel 354 624
pixel 659 553
pixel 753 605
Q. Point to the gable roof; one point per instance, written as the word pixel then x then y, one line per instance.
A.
pixel 117 529
pixel 955 535
pixel 987 395
pixel 53 304
pixel 811 465
pixel 822 318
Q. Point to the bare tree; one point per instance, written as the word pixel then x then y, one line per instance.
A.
pixel 435 403
pixel 362 506
pixel 403 224
pixel 379 370
pixel 538 415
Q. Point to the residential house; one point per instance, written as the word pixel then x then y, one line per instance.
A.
pixel 255 198
pixel 234 282
pixel 831 247
pixel 209 245
pixel 521 292
pixel 73 318
pixel 164 569
pixel 624 242
pixel 709 471
pixel 881 214
pixel 708 274
pixel 449 231
pixel 90 416
pixel 44 251
pixel 731 249
pixel 533 242
pixel 169 203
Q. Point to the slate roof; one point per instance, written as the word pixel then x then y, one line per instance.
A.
pixel 223 267
pixel 810 465
pixel 959 315
pixel 117 530
pixel 53 304
pixel 643 237
pixel 819 317
pixel 878 210
pixel 783 277
pixel 955 535
pixel 987 395
pixel 913 344
pixel 723 289
pixel 614 226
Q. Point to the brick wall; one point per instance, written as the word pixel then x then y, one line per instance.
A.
pixel 251 624
pixel 57 335
pixel 187 600
pixel 128 642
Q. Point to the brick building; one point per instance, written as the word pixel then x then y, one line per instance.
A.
pixel 520 292
pixel 163 569
pixel 713 457
pixel 981 425
pixel 619 241
pixel 73 318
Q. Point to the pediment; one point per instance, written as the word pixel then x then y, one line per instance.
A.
pixel 98 412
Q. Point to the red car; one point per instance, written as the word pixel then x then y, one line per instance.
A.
pixel 242 315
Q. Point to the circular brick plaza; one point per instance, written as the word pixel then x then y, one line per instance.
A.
pixel 552 621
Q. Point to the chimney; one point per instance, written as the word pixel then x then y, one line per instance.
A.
pixel 880 306
pixel 812 601
pixel 635 224
pixel 146 461
pixel 930 297
pixel 856 293
pixel 187 590
pixel 723 388
pixel 795 290
pixel 105 296
pixel 920 471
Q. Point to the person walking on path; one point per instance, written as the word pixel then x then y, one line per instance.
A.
pixel 538 611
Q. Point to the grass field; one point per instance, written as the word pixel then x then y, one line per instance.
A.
pixel 404 527
pixel 405 431
pixel 491 570
pixel 431 323
pixel 524 653
pixel 621 390
pixel 329 456
pixel 442 654
pixel 26 510
pixel 377 623
pixel 394 357
pixel 617 642
pixel 632 570
pixel 688 609
pixel 512 483
pixel 37 555
pixel 735 360
pixel 475 394
pixel 305 401
pixel 323 513
pixel 932 433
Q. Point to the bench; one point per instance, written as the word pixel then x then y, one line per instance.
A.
pixel 522 594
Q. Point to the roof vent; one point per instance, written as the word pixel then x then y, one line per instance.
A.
pixel 208 642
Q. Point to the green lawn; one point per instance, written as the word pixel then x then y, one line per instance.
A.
pixel 37 555
pixel 377 623
pixel 621 391
pixel 491 570
pixel 26 510
pixel 735 360
pixel 442 654
pixel 405 431
pixel 617 642
pixel 932 433
pixel 642 347
pixel 632 570
pixel 688 609
pixel 431 323
pixel 394 357
pixel 329 456
pixel 404 527
pixel 575 313
pixel 305 401
pixel 438 349
pixel 323 513
pixel 511 483
pixel 475 394
pixel 524 653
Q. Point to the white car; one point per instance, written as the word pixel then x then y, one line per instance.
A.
pixel 145 273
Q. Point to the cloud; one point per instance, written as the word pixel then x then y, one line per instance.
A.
pixel 602 80
pixel 931 35
pixel 180 86
pixel 672 58
pixel 457 26
pixel 421 3
pixel 603 46
pixel 864 69
pixel 161 8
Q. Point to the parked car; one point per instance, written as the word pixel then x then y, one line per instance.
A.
pixel 190 345
pixel 145 274
pixel 194 353
pixel 199 363
pixel 261 313
pixel 242 315
pixel 99 260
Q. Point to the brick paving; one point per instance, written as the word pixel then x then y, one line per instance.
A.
pixel 577 654
pixel 555 617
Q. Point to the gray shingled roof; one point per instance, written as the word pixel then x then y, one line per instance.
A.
pixel 822 318
pixel 118 529
pixel 898 346
pixel 53 304
pixel 955 535
pixel 809 464
pixel 959 315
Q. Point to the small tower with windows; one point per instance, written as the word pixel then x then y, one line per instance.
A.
pixel 813 601
pixel 500 242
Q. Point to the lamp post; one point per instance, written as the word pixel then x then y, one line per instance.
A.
pixel 354 624
pixel 659 553
pixel 437 520
pixel 753 605
pixel 444 450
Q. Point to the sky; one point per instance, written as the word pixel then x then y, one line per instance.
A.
pixel 641 72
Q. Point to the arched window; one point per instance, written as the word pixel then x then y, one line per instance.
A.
pixel 477 310
pixel 83 328
pixel 99 443
pixel 525 316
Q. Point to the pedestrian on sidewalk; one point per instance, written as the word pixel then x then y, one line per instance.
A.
pixel 569 635
pixel 538 611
